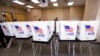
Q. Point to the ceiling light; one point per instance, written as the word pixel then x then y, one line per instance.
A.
pixel 35 1
pixel 42 5
pixel 70 3
pixel 55 4
pixel 18 2
pixel 53 0
pixel 28 6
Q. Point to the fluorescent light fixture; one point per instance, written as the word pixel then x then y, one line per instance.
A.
pixel 28 6
pixel 35 1
pixel 42 5
pixel 18 2
pixel 53 0
pixel 55 4
pixel 70 3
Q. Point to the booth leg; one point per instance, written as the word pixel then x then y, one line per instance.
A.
pixel 69 48
pixel 90 48
pixel 19 46
pixel 10 42
pixel 40 47
pixel 55 45
pixel 51 49
pixel 80 48
pixel 73 49
pixel 57 48
pixel 33 48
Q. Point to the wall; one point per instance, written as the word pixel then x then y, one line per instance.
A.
pixel 55 12
pixel 44 14
pixel 76 13
pixel 91 8
pixel 11 9
pixel 98 18
pixel 34 14
pixel 67 13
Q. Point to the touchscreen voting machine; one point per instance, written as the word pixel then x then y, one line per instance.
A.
pixel 7 28
pixel 67 30
pixel 87 30
pixel 41 31
pixel 22 29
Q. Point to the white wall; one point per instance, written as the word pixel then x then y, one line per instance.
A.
pixel 68 13
pixel 91 8
pixel 98 18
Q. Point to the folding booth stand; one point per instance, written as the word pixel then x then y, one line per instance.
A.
pixel 22 32
pixel 8 31
pixel 42 33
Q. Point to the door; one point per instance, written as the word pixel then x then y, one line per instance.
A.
pixel 9 16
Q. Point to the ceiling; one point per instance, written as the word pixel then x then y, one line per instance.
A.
pixel 62 3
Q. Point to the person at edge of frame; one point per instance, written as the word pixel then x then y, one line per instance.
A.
pixel 2 36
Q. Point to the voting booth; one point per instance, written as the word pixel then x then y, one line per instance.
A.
pixel 22 29
pixel 57 27
pixel 41 31
pixel 51 27
pixel 87 30
pixel 7 28
pixel 28 26
pixel 67 30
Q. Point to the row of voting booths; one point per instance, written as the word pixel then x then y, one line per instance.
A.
pixel 76 31
pixel 43 31
pixel 82 30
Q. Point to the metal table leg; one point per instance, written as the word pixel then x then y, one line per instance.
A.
pixel 73 49
pixel 10 42
pixel 33 48
pixel 81 49
pixel 19 46
pixel 57 48
pixel 40 47
pixel 90 48
pixel 69 48
pixel 51 49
